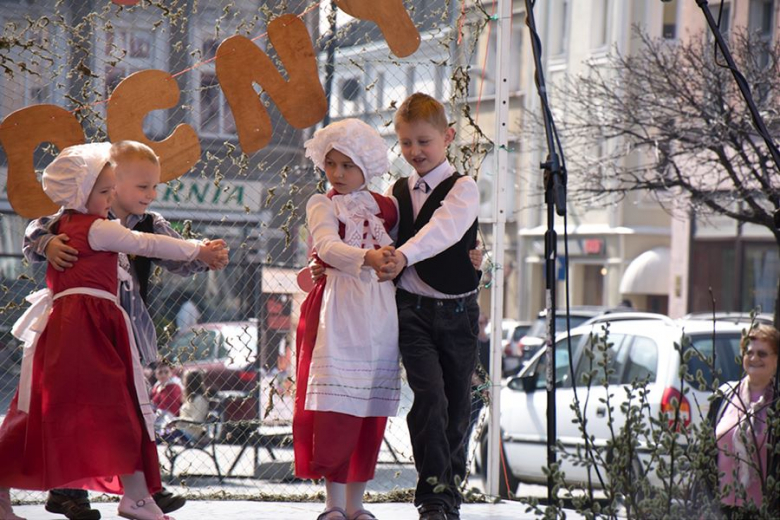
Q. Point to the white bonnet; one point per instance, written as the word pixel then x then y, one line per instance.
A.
pixel 354 138
pixel 69 179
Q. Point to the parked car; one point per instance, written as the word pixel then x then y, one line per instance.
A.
pixel 638 348
pixel 526 346
pixel 512 359
pixel 507 328
pixel 764 318
pixel 510 329
pixel 226 352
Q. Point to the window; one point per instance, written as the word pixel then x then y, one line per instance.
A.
pixel 129 49
pixel 724 10
pixel 727 362
pixel 642 362
pixel 761 19
pixel 559 27
pixel 350 96
pixel 214 111
pixel 600 24
pixel 21 87
pixel 425 79
pixel 760 271
pixel 483 62
pixel 669 29
pixel 394 90
pixel 562 370
pixel 602 357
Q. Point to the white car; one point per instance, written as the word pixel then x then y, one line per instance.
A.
pixel 637 349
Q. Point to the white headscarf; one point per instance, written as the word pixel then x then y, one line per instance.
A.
pixel 69 179
pixel 354 138
pixel 363 144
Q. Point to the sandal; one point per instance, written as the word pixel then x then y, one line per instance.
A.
pixel 334 509
pixel 363 514
pixel 137 510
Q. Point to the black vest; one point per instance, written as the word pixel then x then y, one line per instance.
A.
pixel 451 271
pixel 141 265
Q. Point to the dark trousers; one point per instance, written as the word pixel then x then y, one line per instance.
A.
pixel 70 493
pixel 438 343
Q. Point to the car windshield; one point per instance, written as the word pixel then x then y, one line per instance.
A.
pixel 192 346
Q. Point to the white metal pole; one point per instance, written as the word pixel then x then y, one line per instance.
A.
pixel 501 154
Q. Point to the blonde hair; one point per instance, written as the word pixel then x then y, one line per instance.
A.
pixel 124 150
pixel 422 107
pixel 766 333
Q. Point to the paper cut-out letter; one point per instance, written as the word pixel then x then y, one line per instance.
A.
pixel 393 20
pixel 301 99
pixel 136 96
pixel 21 133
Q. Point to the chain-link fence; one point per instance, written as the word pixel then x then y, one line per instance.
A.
pixel 236 326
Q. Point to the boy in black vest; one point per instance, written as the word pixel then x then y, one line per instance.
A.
pixel 138 174
pixel 437 302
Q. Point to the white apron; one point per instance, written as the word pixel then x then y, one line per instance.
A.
pixel 29 327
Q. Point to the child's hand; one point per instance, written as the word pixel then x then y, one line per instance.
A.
pixel 219 242
pixel 316 269
pixel 393 268
pixel 60 255
pixel 221 247
pixel 214 254
pixel 475 255
pixel 378 259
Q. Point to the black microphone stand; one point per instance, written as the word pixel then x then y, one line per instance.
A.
pixel 758 121
pixel 555 199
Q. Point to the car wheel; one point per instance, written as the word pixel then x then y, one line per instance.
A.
pixel 507 482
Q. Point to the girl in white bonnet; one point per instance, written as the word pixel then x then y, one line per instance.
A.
pixel 81 417
pixel 348 373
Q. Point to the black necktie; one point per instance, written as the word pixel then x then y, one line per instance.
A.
pixel 422 186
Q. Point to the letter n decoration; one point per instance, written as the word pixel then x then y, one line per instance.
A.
pixel 301 99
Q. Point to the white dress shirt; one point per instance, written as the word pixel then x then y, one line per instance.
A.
pixel 449 223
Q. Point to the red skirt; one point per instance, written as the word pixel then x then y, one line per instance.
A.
pixel 84 427
pixel 339 447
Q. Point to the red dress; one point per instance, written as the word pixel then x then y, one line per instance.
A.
pixel 340 447
pixel 168 397
pixel 84 427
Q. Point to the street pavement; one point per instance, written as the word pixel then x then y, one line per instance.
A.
pixel 247 510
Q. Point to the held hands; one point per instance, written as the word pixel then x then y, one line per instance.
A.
pixel 393 267
pixel 60 255
pixel 377 259
pixel 386 261
pixel 214 253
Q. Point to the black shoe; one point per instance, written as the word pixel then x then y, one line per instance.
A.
pixel 168 502
pixel 73 508
pixel 432 512
pixel 454 513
